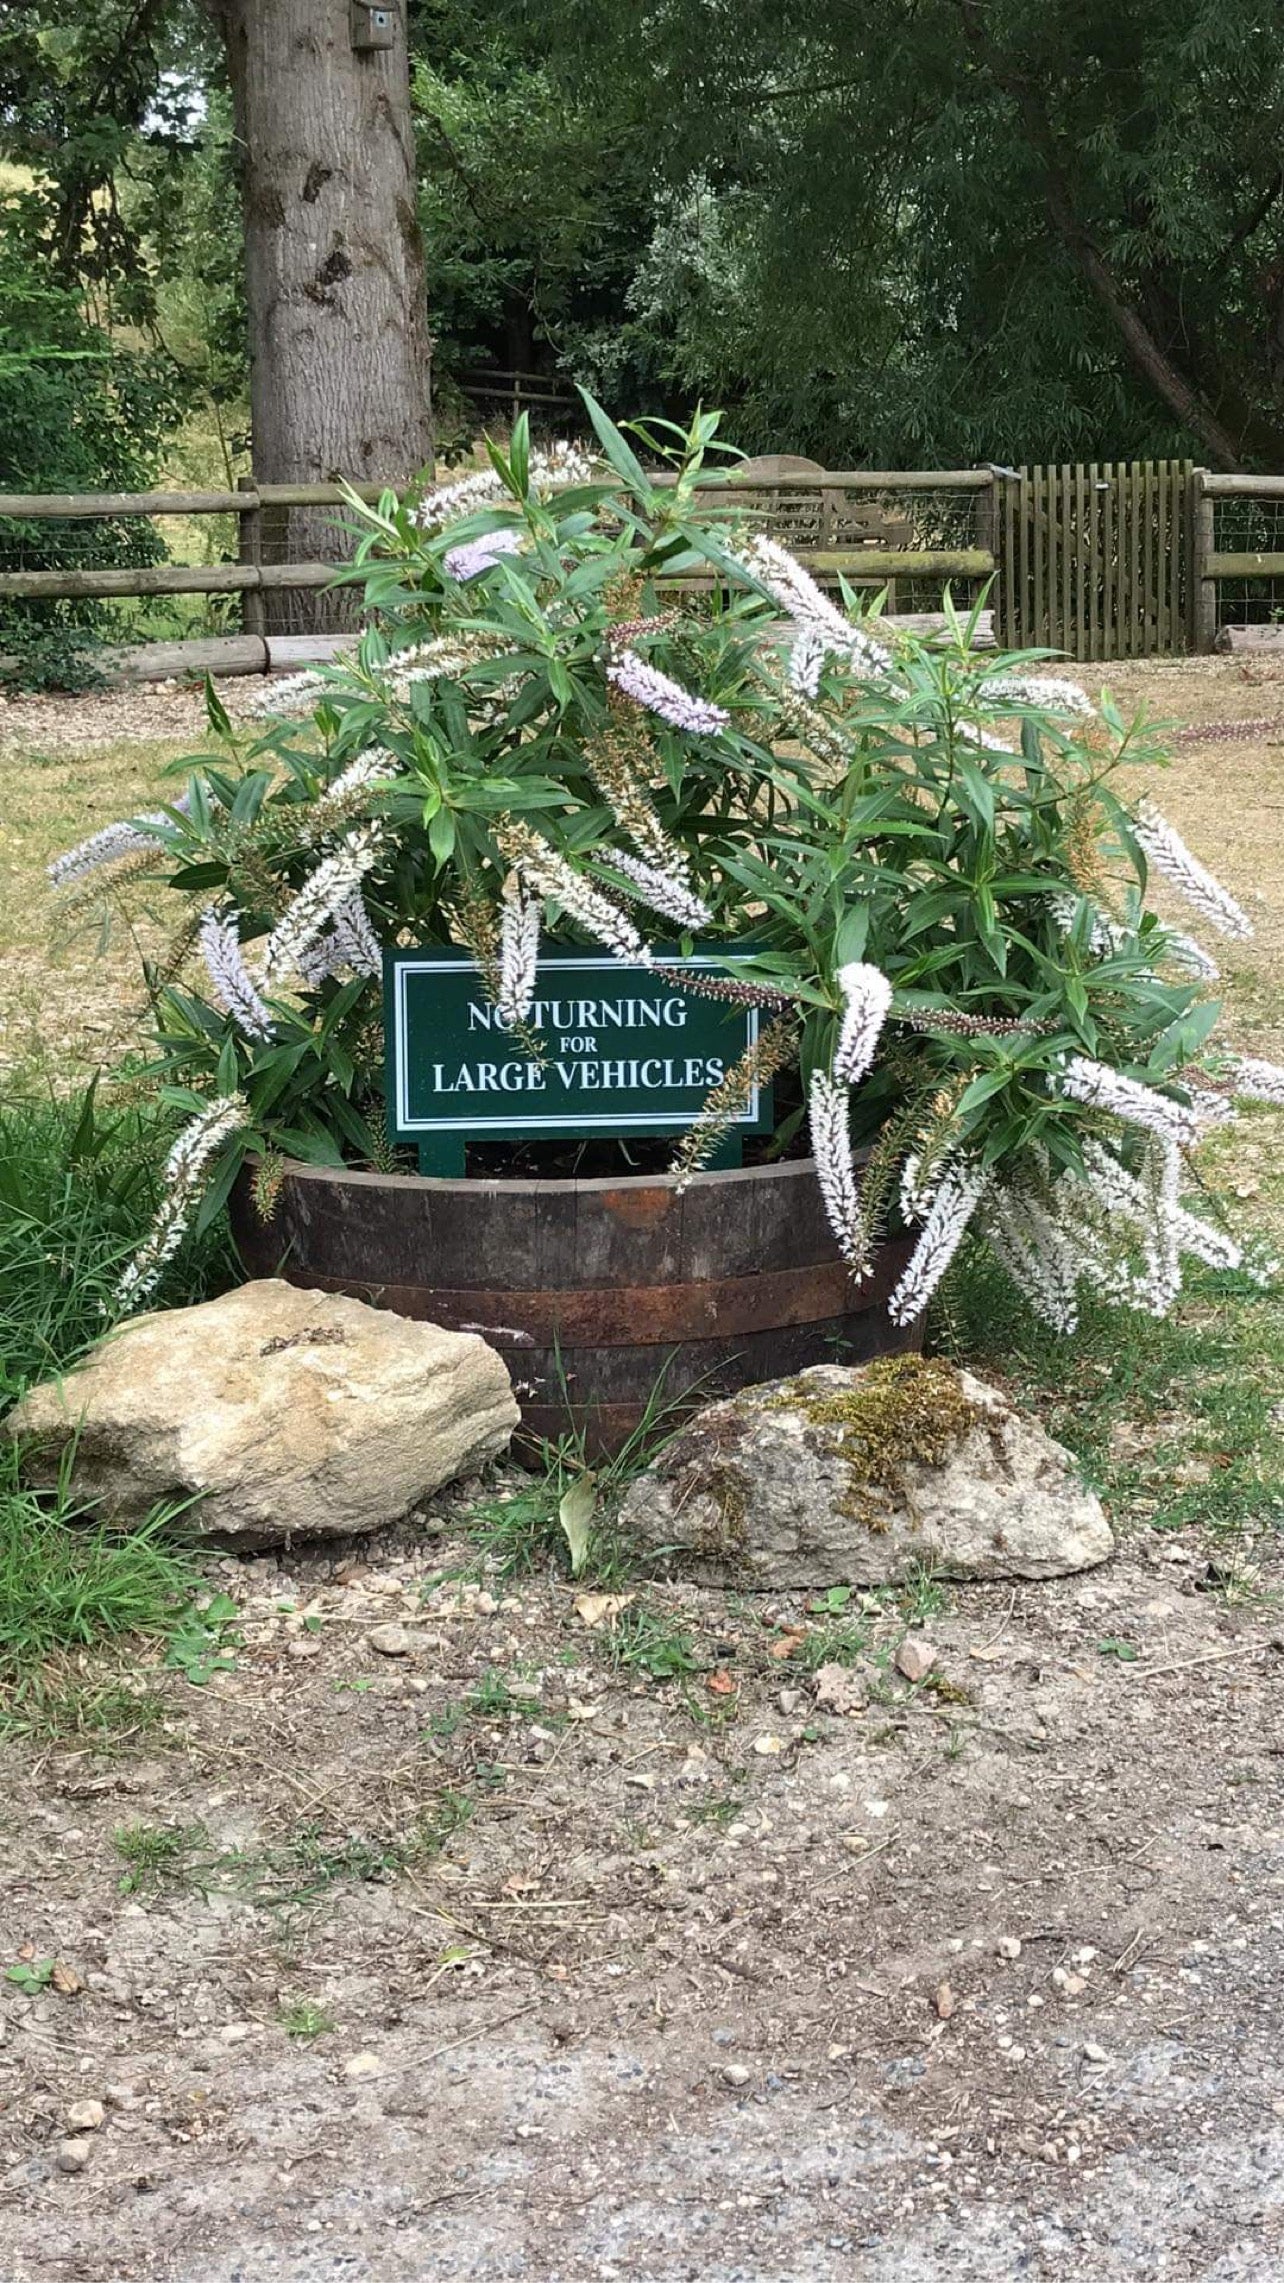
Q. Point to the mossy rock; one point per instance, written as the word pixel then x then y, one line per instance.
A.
pixel 859 1476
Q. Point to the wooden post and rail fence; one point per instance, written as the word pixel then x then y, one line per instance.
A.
pixel 1098 562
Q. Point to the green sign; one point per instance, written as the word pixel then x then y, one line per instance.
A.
pixel 626 1052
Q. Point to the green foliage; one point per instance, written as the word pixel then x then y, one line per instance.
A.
pixel 68 1579
pixel 1024 229
pixel 117 288
pixel 1179 1427
pixel 533 204
pixel 78 1188
pixel 998 887
pixel 77 413
pixel 1029 229
pixel 82 89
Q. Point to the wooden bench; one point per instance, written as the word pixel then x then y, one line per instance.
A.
pixel 820 522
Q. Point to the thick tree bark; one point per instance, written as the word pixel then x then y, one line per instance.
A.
pixel 339 347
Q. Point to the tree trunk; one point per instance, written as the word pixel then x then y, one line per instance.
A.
pixel 334 270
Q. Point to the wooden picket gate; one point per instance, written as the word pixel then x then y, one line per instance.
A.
pixel 1095 561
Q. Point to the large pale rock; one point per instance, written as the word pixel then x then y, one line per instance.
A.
pixel 858 1476
pixel 290 1413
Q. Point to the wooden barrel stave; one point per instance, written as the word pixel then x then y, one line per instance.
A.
pixel 592 1290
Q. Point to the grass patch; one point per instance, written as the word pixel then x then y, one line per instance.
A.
pixel 1176 1423
pixel 300 1869
pixel 155 1855
pixel 79 1185
pixel 68 1580
pixel 645 1641
pixel 842 1642
pixel 301 2019
pixel 53 1705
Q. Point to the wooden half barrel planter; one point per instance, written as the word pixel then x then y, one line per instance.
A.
pixel 592 1289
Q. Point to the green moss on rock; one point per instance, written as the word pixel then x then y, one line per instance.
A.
pixel 904 1411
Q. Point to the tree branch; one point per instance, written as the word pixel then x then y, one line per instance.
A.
pixel 1148 354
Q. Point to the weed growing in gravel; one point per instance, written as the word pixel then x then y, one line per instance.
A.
pixel 492 1698
pixel 643 1640
pixel 311 1861
pixel 921 1596
pixel 842 1643
pixel 31 1977
pixel 718 1813
pixel 300 2018
pixel 204 1639
pixel 447 1720
pixel 155 1855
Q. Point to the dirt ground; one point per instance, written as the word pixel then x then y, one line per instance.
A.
pixel 690 1943
pixel 617 1975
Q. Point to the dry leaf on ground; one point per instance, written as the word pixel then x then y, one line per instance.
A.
pixel 838 1689
pixel 598 1608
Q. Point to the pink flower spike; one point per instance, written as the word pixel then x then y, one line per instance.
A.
pixel 477 555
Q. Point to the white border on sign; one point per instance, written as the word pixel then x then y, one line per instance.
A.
pixel 606 1122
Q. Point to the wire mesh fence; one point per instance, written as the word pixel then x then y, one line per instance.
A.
pixel 1245 524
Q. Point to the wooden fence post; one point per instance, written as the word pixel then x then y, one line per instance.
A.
pixel 987 533
pixel 1203 589
pixel 249 549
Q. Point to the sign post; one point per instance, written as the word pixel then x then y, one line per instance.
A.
pixel 625 1053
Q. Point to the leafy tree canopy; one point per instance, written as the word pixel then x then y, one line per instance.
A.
pixel 938 231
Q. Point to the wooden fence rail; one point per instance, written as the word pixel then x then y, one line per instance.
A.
pixel 1117 560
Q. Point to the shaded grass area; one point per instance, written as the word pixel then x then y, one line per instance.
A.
pixel 1177 1424
pixel 78 1188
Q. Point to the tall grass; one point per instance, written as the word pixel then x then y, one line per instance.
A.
pixel 68 1580
pixel 78 1188
pixel 1177 1422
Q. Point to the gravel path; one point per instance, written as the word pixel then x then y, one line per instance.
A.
pixel 980 1981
